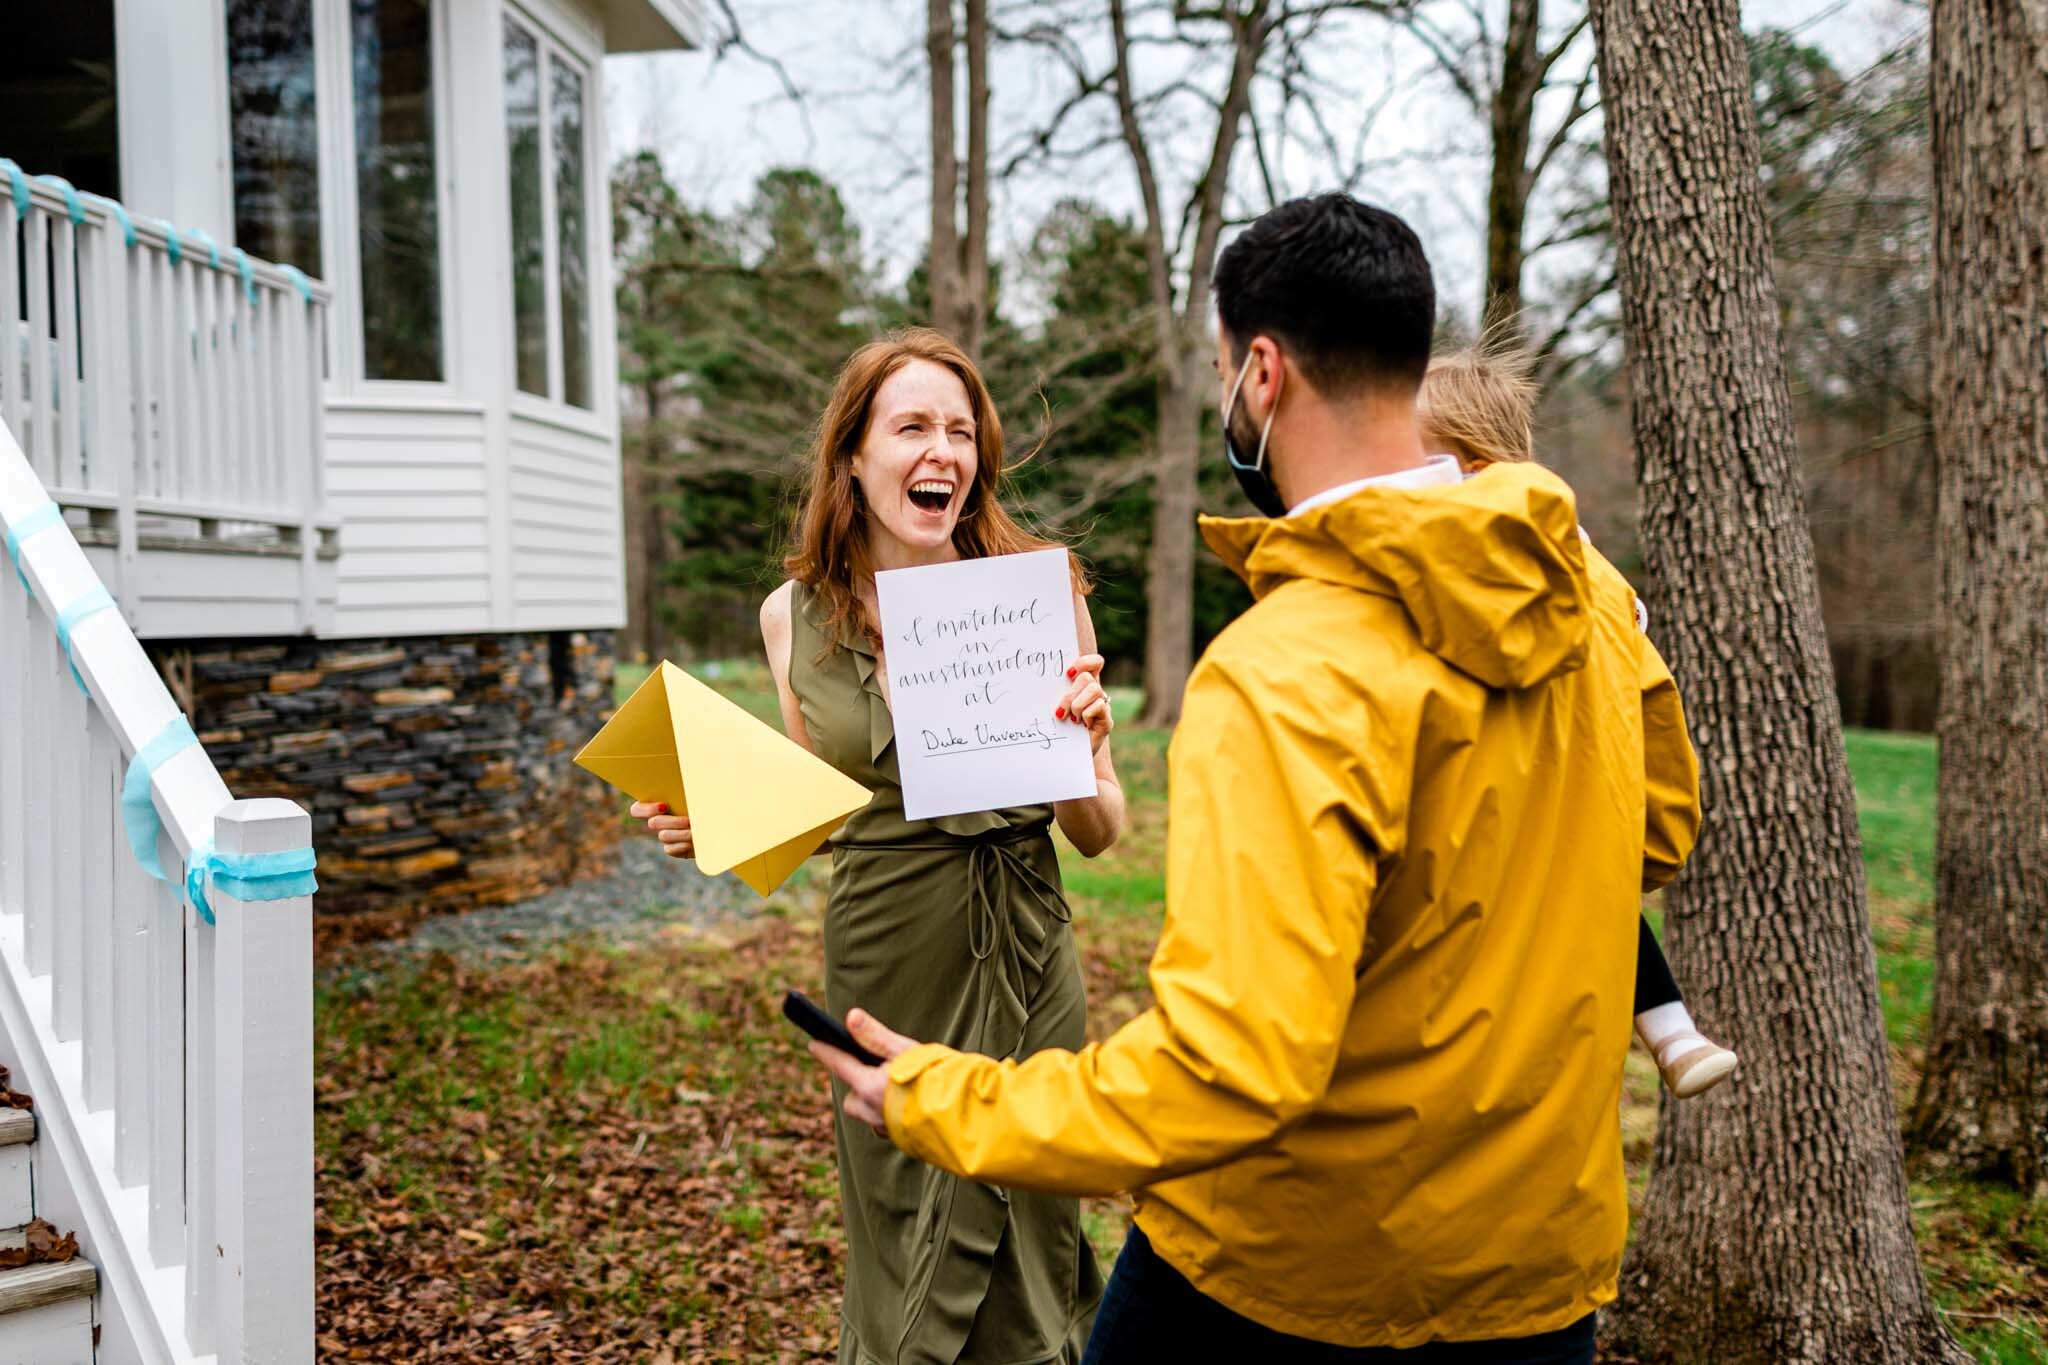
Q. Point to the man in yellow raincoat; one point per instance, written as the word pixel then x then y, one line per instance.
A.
pixel 1415 795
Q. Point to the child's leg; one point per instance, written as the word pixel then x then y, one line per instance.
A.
pixel 1688 1061
pixel 1655 986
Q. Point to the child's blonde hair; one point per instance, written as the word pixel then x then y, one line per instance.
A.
pixel 1478 402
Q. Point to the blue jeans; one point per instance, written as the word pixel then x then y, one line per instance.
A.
pixel 1151 1313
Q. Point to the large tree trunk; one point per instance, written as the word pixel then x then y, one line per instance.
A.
pixel 974 284
pixel 1513 117
pixel 1170 574
pixel 1983 1105
pixel 1776 1227
pixel 947 286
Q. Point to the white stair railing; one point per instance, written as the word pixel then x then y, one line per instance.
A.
pixel 170 1058
pixel 148 372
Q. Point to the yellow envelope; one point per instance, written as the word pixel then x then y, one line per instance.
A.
pixel 759 803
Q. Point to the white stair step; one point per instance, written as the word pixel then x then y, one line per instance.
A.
pixel 46 1314
pixel 17 1126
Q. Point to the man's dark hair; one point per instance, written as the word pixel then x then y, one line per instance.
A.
pixel 1342 286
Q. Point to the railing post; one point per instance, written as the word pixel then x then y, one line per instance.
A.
pixel 263 1092
pixel 308 388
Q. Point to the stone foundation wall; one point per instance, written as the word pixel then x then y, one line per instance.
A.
pixel 437 769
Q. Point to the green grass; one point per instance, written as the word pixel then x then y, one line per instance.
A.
pixel 1895 783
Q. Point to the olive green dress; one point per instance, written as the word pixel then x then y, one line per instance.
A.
pixel 952 930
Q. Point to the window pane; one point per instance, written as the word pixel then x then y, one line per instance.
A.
pixel 529 262
pixel 396 189
pixel 58 104
pixel 571 249
pixel 275 138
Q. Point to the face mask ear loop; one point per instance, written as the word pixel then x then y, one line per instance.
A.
pixel 1230 399
pixel 1259 460
pixel 1258 463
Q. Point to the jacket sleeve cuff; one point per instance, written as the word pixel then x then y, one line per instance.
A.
pixel 903 1073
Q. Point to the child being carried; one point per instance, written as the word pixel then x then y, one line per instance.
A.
pixel 1478 404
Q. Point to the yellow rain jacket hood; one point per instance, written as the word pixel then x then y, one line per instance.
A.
pixel 1414 797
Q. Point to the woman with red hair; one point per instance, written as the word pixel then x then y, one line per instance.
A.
pixel 955 928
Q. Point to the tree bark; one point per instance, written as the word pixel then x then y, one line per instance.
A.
pixel 974 285
pixel 1512 115
pixel 947 285
pixel 1983 1104
pixel 1776 1227
pixel 646 534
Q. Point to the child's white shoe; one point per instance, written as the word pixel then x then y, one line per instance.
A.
pixel 1692 1064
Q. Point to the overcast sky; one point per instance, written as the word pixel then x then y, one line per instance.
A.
pixel 719 123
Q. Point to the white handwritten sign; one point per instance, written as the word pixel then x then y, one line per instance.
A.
pixel 978 653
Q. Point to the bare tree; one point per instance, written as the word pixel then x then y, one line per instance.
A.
pixel 1229 47
pixel 645 438
pixel 947 283
pixel 974 300
pixel 1502 79
pixel 1983 1102
pixel 1186 377
pixel 959 259
pixel 1776 1226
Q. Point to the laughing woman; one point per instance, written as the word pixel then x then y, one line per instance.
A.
pixel 954 928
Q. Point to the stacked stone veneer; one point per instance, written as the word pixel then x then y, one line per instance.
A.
pixel 437 769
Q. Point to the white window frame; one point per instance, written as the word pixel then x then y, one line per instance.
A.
pixel 334 56
pixel 554 45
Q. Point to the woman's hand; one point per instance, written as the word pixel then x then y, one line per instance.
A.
pixel 1086 703
pixel 672 830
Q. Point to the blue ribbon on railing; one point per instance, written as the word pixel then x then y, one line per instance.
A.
pixel 248 876
pixel 91 602
pixel 41 519
pixel 299 281
pixel 71 204
pixel 138 812
pixel 20 182
pixel 120 213
pixel 174 248
pixel 205 238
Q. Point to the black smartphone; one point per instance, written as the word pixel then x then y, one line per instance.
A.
pixel 802 1011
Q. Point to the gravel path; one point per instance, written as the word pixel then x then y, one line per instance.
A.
pixel 643 894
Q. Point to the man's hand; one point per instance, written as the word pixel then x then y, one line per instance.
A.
pixel 866 1086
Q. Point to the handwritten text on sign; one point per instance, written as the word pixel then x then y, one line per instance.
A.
pixel 978 653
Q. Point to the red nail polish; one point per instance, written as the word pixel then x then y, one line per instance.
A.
pixel 1059 713
pixel 1071 672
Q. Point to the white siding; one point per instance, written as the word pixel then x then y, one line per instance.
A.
pixel 408 484
pixel 568 570
pixel 180 593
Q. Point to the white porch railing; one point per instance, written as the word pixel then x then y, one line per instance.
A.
pixel 158 380
pixel 170 1059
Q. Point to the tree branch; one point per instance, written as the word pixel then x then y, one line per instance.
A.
pixel 1157 265
pixel 734 39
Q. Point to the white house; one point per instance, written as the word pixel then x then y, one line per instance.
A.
pixel 306 359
